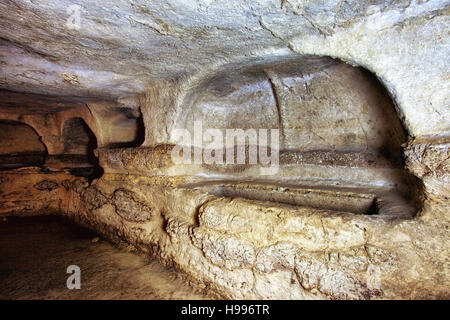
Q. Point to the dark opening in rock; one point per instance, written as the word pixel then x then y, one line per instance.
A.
pixel 20 146
pixel 79 145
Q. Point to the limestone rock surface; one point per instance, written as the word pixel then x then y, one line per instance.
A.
pixel 93 93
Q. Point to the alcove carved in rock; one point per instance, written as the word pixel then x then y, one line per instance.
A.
pixel 340 135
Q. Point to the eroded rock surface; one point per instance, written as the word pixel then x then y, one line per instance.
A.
pixel 129 208
pixel 358 207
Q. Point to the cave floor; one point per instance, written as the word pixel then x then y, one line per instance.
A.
pixel 36 251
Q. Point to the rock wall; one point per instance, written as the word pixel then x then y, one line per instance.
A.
pixel 358 89
pixel 257 249
pixel 32 191
pixel 245 248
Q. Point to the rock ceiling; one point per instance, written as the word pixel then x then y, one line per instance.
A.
pixel 124 47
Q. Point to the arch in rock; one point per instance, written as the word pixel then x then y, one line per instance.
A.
pixel 338 124
pixel 20 145
pixel 318 103
pixel 79 143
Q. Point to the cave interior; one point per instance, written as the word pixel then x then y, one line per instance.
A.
pixel 355 205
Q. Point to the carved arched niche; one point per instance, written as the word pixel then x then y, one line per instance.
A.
pixel 20 146
pixel 340 134
pixel 79 144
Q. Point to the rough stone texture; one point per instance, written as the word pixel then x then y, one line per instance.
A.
pixel 129 208
pixel 318 104
pixel 400 41
pixel 113 123
pixel 17 137
pixel 252 249
pixel 29 191
pixel 430 162
pixel 359 208
pixel 20 146
pixel 48 185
